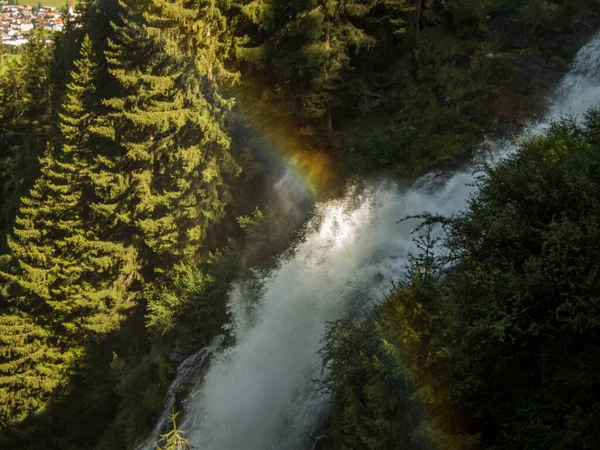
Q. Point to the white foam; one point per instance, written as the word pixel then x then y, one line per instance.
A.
pixel 259 394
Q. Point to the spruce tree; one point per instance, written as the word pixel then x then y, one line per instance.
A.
pixel 394 17
pixel 25 124
pixel 59 260
pixel 31 367
pixel 174 439
pixel 170 125
pixel 63 284
pixel 309 45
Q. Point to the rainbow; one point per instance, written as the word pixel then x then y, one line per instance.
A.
pixel 311 168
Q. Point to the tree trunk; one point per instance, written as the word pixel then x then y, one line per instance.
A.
pixel 417 49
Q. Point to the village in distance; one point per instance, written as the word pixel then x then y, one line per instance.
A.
pixel 16 21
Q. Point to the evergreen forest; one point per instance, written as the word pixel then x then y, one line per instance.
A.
pixel 139 148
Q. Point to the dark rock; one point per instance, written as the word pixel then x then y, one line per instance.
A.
pixel 582 21
pixel 512 106
pixel 323 442
pixel 540 73
pixel 183 350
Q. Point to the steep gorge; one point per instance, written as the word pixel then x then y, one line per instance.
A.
pixel 260 393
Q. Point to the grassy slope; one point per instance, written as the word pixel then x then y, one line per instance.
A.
pixel 54 3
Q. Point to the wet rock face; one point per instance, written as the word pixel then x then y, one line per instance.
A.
pixel 541 72
pixel 323 442
pixel 551 53
pixel 583 22
pixel 512 106
pixel 182 351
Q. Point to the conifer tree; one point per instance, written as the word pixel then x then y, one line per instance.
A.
pixel 170 125
pixel 59 260
pixel 394 17
pixel 310 48
pixel 60 270
pixel 31 366
pixel 25 113
pixel 174 439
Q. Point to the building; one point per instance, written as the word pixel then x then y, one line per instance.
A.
pixel 17 21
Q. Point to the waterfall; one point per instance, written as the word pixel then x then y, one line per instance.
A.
pixel 184 371
pixel 260 393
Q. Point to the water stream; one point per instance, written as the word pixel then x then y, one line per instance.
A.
pixel 259 394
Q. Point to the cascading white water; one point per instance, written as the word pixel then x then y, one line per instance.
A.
pixel 259 394
pixel 184 371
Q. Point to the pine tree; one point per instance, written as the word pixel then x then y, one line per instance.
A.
pixel 394 16
pixel 32 367
pixel 174 439
pixel 60 270
pixel 59 260
pixel 25 114
pixel 309 48
pixel 170 125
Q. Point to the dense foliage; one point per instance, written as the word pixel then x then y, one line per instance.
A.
pixel 133 164
pixel 500 352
